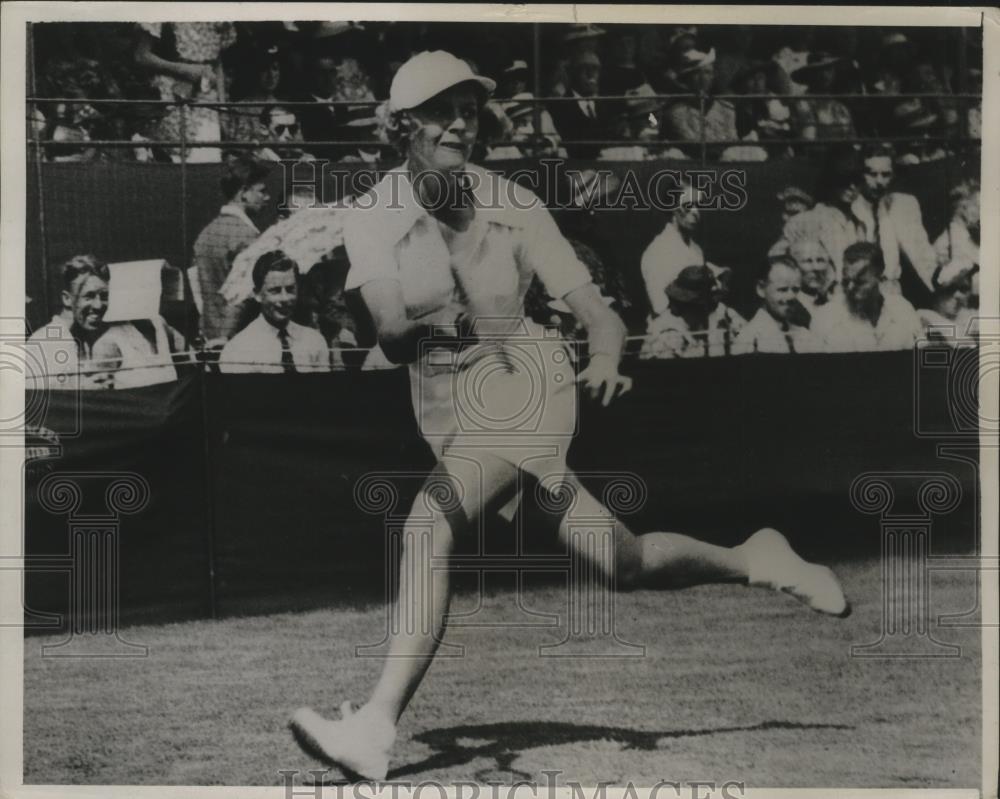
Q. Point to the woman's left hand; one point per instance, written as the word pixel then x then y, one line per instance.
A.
pixel 602 379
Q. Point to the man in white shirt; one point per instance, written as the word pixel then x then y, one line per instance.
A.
pixel 674 249
pixel 864 318
pixel 273 343
pixel 65 346
pixel 892 220
pixel 771 329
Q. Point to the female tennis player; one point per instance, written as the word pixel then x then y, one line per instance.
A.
pixel 443 253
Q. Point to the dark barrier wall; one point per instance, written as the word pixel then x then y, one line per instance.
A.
pixel 267 499
pixel 130 211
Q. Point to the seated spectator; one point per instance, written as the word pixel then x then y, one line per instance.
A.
pixel 184 59
pixel 819 284
pixel 879 117
pixel 893 220
pixel 363 125
pixel 333 75
pixel 701 117
pixel 623 71
pixel 775 328
pixel 245 192
pixel 637 122
pixel 139 353
pixel 761 118
pixel 66 124
pixel 733 43
pixel 792 53
pixel 912 119
pixel 864 318
pixel 281 125
pixel 272 343
pixel 831 222
pixel 695 324
pixel 951 317
pixel 923 78
pixel 258 80
pixel 960 240
pixel 821 118
pixel 521 113
pixel 582 119
pixel 674 248
pixel 67 342
pixel 896 54
pixel 513 80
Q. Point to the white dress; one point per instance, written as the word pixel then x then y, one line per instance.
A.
pixel 511 394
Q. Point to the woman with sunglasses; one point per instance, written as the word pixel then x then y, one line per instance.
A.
pixel 443 254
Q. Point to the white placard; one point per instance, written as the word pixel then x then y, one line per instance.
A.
pixel 135 289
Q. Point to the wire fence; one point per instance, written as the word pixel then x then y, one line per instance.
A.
pixel 957 141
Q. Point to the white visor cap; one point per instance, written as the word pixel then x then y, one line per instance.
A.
pixel 430 73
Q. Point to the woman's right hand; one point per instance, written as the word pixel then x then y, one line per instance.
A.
pixel 202 76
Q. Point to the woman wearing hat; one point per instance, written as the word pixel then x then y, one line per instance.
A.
pixel 443 253
pixel 821 117
pixel 696 324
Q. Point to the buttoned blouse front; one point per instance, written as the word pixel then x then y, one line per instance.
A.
pixel 388 234
pixel 484 273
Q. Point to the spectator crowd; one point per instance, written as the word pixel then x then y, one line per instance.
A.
pixel 854 272
pixel 306 90
pixel 853 269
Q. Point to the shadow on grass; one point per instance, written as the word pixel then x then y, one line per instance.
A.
pixel 506 741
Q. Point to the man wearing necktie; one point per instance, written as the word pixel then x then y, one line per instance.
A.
pixel 775 328
pixel 273 342
pixel 892 221
pixel 582 119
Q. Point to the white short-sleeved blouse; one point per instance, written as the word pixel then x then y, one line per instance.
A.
pixel 512 393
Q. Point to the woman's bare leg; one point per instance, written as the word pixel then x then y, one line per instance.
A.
pixel 424 592
pixel 663 560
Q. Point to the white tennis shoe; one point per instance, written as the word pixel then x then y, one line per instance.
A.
pixel 772 563
pixel 359 744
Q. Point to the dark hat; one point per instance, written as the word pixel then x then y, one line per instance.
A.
pixel 642 101
pixel 816 61
pixel 691 59
pixel 752 68
pixel 695 285
pixel 912 115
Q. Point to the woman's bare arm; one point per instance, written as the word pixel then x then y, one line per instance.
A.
pixel 606 339
pixel 398 335
pixel 145 57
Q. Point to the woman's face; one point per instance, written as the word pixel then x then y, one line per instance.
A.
pixel 444 129
pixel 269 77
pixel 755 83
